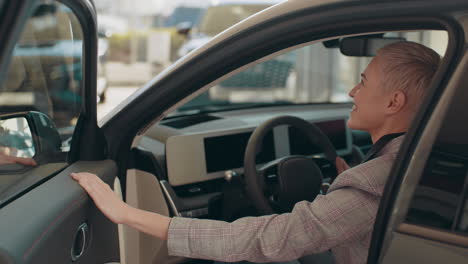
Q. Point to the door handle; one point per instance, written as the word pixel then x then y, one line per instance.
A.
pixel 80 242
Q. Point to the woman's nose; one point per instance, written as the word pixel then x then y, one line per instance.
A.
pixel 352 92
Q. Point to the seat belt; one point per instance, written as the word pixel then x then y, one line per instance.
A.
pixel 376 148
pixel 379 145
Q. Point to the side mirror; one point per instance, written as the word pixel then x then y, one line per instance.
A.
pixel 16 138
pixel 28 134
pixel 365 46
pixel 184 28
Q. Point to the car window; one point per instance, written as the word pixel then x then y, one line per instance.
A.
pixel 45 73
pixel 440 199
pixel 317 73
pixel 40 98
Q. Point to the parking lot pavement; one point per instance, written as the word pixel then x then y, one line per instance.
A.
pixel 137 73
pixel 114 95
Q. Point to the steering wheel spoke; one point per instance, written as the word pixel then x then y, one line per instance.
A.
pixel 267 175
pixel 269 167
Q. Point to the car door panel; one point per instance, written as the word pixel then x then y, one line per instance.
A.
pixel 11 183
pixel 411 249
pixel 43 230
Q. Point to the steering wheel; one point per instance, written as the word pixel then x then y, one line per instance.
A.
pixel 279 184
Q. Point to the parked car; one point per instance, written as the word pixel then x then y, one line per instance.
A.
pixel 217 17
pixel 182 17
pixel 190 162
pixel 185 15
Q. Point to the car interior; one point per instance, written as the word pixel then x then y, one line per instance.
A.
pixel 195 159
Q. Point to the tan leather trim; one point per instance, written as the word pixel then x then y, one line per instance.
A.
pixel 433 234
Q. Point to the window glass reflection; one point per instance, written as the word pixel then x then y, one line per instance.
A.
pixel 16 138
pixel 436 201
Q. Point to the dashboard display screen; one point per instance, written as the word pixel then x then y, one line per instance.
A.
pixel 227 152
pixel 335 130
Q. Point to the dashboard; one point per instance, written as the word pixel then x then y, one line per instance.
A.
pixel 203 148
pixel 208 155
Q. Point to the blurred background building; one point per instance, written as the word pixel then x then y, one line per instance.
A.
pixel 140 38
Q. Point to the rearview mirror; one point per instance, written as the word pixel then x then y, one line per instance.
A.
pixel 365 46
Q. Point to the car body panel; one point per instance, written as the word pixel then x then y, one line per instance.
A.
pixel 42 223
pixel 412 249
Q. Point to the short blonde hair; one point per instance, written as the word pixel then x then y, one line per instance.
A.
pixel 408 66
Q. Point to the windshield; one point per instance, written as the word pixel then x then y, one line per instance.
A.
pixel 218 18
pixel 313 74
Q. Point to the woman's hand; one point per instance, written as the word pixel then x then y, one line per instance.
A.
pixel 6 159
pixel 103 196
pixel 341 165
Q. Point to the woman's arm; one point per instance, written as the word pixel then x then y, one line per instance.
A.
pixel 258 239
pixel 119 212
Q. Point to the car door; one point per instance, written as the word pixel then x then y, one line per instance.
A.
pixel 48 130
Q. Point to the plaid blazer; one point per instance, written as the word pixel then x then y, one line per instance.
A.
pixel 342 220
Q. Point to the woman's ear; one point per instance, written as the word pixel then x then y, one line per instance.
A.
pixel 398 100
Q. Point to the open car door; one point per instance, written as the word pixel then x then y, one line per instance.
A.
pixel 48 129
